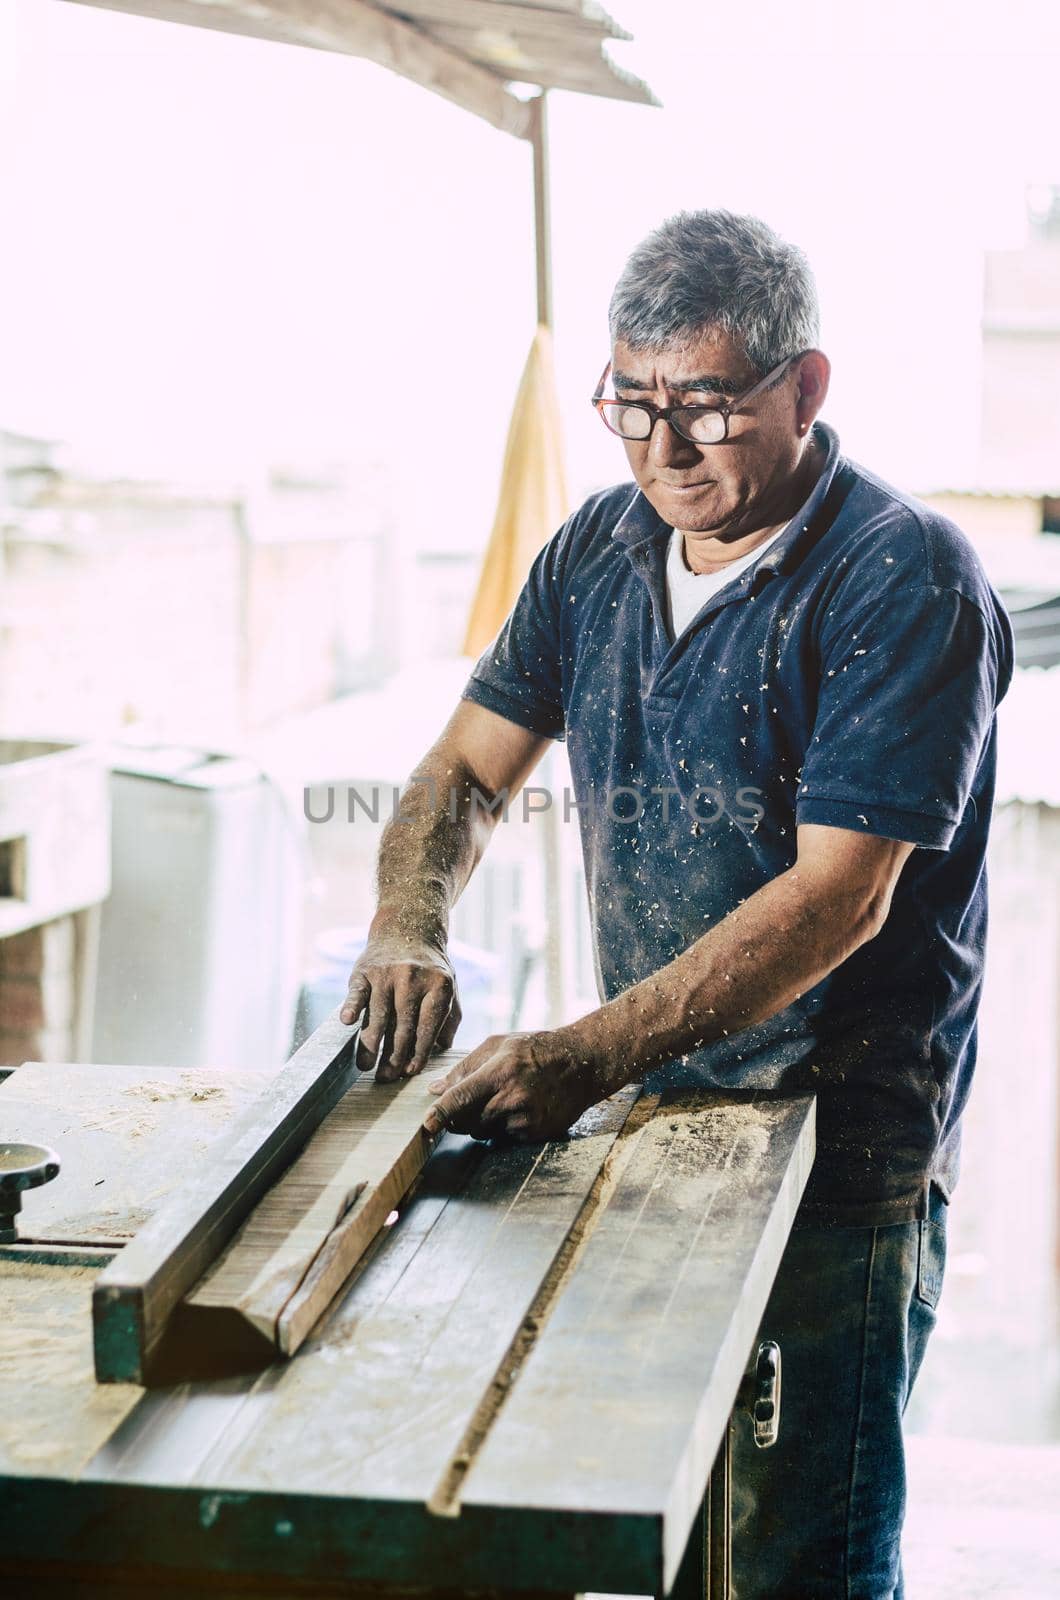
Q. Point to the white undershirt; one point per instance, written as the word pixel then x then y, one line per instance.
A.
pixel 688 592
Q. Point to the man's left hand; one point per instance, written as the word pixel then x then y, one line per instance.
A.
pixel 522 1086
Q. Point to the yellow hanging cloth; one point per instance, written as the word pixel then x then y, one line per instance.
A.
pixel 533 498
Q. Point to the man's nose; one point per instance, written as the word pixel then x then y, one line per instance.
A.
pixel 666 447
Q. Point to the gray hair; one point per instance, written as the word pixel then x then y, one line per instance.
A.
pixel 712 269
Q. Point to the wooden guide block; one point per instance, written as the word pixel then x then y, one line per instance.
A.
pixel 305 1236
pixel 135 1298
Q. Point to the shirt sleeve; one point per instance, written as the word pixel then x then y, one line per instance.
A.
pixel 906 703
pixel 519 676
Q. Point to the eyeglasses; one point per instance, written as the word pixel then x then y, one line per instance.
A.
pixel 635 420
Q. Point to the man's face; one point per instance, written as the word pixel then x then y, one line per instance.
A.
pixel 722 490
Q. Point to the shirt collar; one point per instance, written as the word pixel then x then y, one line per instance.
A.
pixel 640 522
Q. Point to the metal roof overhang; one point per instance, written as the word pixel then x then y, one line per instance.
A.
pixel 468 51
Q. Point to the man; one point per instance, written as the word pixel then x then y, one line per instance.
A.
pixel 777 680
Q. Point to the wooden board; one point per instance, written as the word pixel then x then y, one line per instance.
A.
pixel 625 1397
pixel 304 1238
pixel 136 1294
pixel 109 1124
pixel 415 1353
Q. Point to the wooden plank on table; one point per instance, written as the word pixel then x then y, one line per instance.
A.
pixel 135 1296
pixel 389 1385
pixel 173 1431
pixel 304 1238
pixel 625 1396
pixel 109 1124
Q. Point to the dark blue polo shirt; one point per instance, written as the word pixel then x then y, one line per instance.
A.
pixel 849 677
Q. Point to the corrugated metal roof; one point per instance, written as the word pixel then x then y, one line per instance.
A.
pixel 1036 627
pixel 468 51
pixel 557 44
pixel 1029 564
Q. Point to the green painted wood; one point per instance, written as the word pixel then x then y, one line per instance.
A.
pixel 183 1532
pixel 143 1584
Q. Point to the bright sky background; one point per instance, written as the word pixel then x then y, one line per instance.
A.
pixel 220 252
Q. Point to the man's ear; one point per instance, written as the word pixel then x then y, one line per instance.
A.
pixel 814 371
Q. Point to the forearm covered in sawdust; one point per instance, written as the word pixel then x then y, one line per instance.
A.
pixel 429 849
pixel 767 952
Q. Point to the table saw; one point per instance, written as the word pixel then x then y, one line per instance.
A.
pixel 524 1386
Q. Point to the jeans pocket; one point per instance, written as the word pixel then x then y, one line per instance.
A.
pixel 931 1253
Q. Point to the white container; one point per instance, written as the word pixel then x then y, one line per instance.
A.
pixel 200 943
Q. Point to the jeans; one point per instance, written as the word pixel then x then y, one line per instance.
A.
pixel 819 1516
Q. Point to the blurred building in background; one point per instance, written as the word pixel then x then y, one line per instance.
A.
pixel 1012 508
pixel 993 1370
pixel 189 613
pixel 1021 360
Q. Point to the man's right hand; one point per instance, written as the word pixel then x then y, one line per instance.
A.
pixel 404 977
pixel 409 989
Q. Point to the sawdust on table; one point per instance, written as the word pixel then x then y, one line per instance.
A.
pixel 53 1414
pixel 740 1134
pixel 196 1086
pixel 115 1193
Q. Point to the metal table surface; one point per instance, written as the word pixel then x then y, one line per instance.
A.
pixel 524 1387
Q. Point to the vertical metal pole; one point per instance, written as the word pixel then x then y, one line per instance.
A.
pixel 556 898
pixel 542 221
pixel 719 1534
